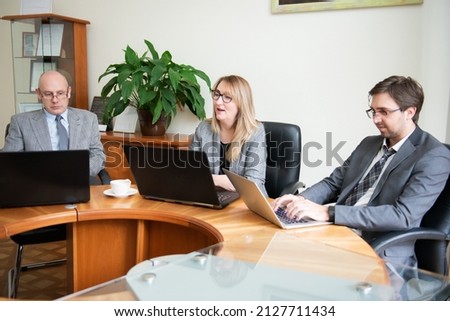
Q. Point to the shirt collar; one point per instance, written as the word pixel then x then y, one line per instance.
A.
pixel 52 117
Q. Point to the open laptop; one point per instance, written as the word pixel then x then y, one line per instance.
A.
pixel 44 178
pixel 258 203
pixel 176 175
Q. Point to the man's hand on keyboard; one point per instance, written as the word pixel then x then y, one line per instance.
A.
pixel 298 208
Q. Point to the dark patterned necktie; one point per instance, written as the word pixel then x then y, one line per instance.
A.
pixel 62 133
pixel 370 178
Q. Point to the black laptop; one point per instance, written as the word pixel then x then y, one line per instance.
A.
pixel 176 175
pixel 44 178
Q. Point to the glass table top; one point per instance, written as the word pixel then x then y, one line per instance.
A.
pixel 284 267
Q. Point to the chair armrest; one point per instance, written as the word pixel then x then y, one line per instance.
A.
pixel 104 177
pixel 418 233
pixel 292 188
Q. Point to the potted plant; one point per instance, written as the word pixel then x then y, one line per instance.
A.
pixel 157 86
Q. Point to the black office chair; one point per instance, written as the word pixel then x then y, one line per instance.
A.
pixel 432 237
pixel 42 235
pixel 284 146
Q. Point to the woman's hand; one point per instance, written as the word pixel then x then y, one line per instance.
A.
pixel 223 182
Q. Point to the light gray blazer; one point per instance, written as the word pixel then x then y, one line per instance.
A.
pixel 29 132
pixel 252 161
pixel 406 191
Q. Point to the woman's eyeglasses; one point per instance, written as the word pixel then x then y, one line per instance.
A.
pixel 217 94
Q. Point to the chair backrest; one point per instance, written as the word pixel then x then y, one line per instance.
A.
pixel 431 254
pixel 284 143
pixel 6 130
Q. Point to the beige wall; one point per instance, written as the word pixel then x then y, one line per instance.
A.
pixel 313 69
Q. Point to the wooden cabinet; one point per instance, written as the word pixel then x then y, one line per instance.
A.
pixel 42 42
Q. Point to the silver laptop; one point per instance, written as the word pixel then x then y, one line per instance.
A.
pixel 258 203
pixel 176 175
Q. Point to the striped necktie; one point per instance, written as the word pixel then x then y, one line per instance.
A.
pixel 369 179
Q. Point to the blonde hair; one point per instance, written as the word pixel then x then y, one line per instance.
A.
pixel 245 123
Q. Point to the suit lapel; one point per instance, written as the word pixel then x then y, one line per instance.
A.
pixel 39 126
pixel 74 128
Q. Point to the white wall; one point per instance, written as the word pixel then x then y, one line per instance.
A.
pixel 313 69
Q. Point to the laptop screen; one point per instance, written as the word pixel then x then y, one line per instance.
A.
pixel 173 175
pixel 44 178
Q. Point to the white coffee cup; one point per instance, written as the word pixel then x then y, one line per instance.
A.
pixel 120 186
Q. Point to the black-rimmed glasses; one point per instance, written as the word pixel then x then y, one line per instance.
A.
pixel 371 113
pixel 216 94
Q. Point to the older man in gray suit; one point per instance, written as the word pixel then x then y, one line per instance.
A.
pixel 411 179
pixel 37 130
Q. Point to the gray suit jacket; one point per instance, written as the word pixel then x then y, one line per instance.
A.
pixel 252 161
pixel 407 189
pixel 29 132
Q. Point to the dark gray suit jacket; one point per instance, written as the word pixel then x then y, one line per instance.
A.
pixel 29 131
pixel 407 189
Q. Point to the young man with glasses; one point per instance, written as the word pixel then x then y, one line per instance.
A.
pixel 389 181
pixel 38 130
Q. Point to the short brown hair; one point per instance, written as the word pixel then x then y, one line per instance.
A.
pixel 405 91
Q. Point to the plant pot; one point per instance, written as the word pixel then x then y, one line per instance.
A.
pixel 149 129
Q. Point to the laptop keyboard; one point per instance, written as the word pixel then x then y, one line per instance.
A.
pixel 226 197
pixel 223 197
pixel 281 213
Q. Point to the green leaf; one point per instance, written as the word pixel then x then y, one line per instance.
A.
pixel 114 106
pixel 127 89
pixel 174 78
pixel 205 77
pixel 157 111
pixel 168 107
pixel 198 73
pixel 146 96
pixel 166 58
pixel 152 49
pixel 196 103
pixel 131 57
pixel 157 73
pixel 108 87
pixel 123 75
pixel 168 96
pixel 109 70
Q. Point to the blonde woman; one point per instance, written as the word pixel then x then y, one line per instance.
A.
pixel 233 138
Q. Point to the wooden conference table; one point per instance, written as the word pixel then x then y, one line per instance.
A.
pixel 108 236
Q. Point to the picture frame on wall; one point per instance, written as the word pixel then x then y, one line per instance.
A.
pixel 50 40
pixel 98 108
pixel 37 68
pixel 29 44
pixel 24 107
pixel 291 6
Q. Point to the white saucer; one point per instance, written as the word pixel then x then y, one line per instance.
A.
pixel 131 191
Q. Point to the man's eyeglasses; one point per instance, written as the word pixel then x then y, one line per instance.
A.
pixel 225 98
pixel 48 95
pixel 371 113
